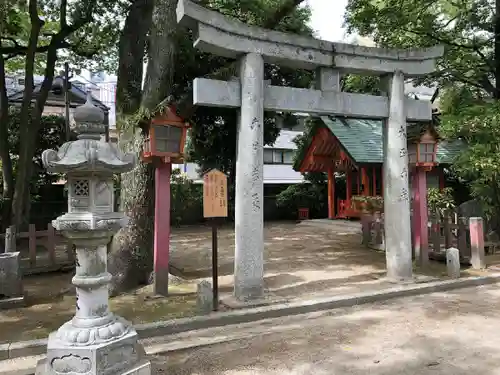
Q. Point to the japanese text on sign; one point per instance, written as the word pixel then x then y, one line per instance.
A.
pixel 214 194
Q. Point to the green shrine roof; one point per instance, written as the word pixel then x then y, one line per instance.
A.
pixel 362 140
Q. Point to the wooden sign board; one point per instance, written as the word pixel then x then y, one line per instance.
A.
pixel 214 194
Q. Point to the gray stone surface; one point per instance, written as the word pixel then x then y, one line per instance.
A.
pixel 11 283
pixel 170 327
pixel 396 193
pixel 231 38
pixel 94 341
pixel 10 239
pixel 214 93
pixel 204 297
pixel 439 334
pixel 453 262
pixel 249 212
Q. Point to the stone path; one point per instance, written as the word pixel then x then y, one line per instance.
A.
pixel 453 333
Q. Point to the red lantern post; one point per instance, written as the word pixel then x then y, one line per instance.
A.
pixel 164 146
pixel 421 155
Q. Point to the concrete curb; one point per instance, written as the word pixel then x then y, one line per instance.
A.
pixel 164 328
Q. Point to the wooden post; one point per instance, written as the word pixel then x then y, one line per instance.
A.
pixel 420 219
pixel 374 178
pixel 215 207
pixel 436 233
pixel 32 244
pixel 51 243
pixel 447 230
pixel 162 227
pixel 462 238
pixel 365 182
pixel 331 194
pixel 348 187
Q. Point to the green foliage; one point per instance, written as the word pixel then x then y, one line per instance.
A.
pixel 440 200
pixel 51 136
pixel 465 28
pixel 479 163
pixel 95 23
pixel 187 199
pixel 368 203
pixel 213 136
pixel 303 195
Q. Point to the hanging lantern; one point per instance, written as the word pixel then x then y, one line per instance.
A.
pixel 167 138
pixel 422 153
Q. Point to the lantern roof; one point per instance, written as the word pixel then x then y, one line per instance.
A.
pixel 416 131
pixel 88 113
pixel 90 153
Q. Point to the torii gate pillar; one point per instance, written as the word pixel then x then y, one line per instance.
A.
pixel 249 228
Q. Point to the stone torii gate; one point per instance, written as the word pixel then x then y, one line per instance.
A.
pixel 251 95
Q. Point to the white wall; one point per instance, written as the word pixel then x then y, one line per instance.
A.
pixel 273 173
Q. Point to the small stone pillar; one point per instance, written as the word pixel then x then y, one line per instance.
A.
pixel 11 281
pixel 477 256
pixel 453 262
pixel 95 341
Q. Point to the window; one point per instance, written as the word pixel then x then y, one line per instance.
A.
pixel 426 151
pixel 273 156
pixel 167 138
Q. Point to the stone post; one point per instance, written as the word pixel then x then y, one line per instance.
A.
pixel 95 341
pixel 396 196
pixel 477 257
pixel 249 217
pixel 453 262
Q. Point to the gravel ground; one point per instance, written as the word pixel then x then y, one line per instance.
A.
pixel 451 333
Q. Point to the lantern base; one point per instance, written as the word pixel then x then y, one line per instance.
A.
pixel 124 356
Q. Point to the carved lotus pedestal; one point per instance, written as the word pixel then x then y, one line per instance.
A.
pixel 95 341
pixel 118 356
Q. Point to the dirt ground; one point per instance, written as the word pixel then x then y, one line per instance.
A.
pixel 302 261
pixel 452 333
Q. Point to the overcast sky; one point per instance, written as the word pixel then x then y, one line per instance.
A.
pixel 327 18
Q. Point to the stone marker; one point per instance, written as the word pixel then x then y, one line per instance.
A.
pixel 204 300
pixel 11 283
pixel 10 239
pixel 477 258
pixel 453 262
pixel 95 341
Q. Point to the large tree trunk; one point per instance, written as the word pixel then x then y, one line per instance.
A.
pixel 130 259
pixel 7 173
pixel 497 50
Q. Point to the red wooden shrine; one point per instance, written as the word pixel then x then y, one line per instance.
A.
pixel 326 154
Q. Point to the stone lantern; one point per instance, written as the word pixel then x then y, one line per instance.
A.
pixel 95 341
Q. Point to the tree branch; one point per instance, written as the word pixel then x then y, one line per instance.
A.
pixel 63 11
pixel 185 105
pixel 286 8
pixel 57 40
pixel 474 46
